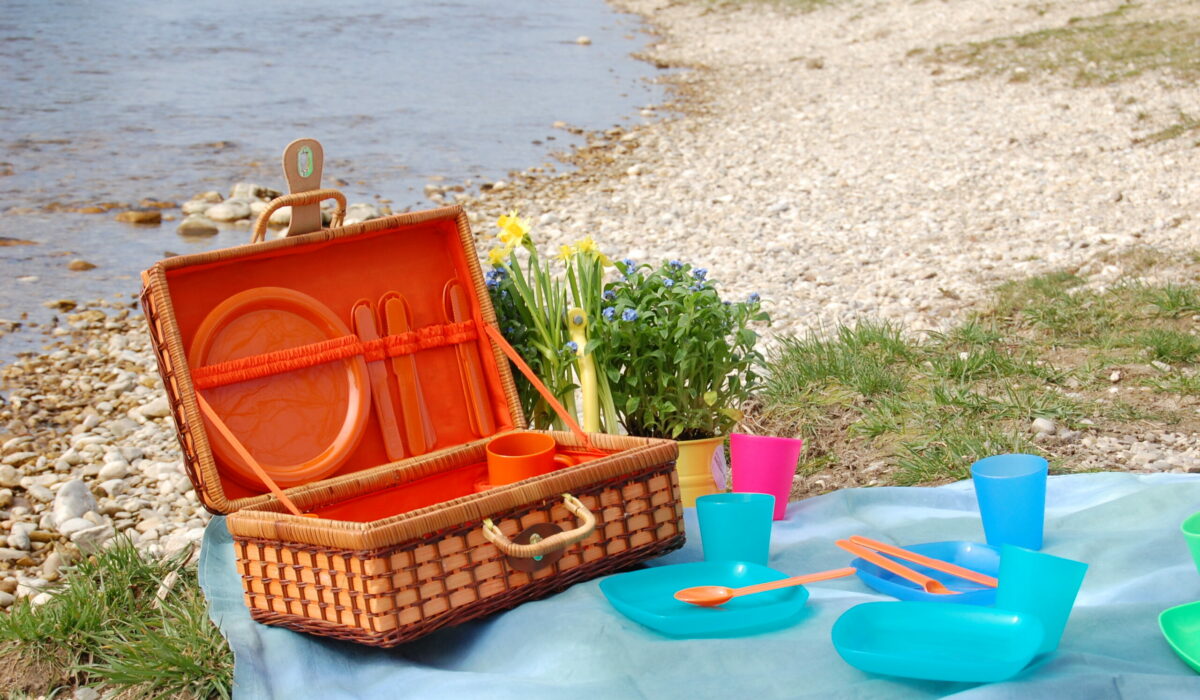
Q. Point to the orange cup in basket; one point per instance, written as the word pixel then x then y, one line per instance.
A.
pixel 518 456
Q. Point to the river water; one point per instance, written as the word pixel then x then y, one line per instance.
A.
pixel 120 100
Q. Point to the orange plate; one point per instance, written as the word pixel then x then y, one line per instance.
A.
pixel 300 425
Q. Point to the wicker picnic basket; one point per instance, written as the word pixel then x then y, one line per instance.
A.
pixel 383 551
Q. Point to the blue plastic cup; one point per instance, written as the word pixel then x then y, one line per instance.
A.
pixel 1011 490
pixel 1039 584
pixel 736 526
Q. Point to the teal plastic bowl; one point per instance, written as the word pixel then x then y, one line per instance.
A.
pixel 648 597
pixel 937 641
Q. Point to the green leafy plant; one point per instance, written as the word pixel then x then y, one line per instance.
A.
pixel 680 361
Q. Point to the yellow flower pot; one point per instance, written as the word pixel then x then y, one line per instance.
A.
pixel 694 467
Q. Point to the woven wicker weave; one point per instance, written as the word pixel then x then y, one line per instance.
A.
pixel 394 579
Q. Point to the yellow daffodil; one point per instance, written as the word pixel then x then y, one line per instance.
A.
pixel 512 229
pixel 605 260
pixel 565 252
pixel 587 245
pixel 497 256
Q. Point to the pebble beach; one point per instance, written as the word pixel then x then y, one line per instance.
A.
pixel 819 159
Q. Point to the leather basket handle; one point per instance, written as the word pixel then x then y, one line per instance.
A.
pixel 291 200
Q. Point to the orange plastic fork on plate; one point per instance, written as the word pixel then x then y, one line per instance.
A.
pixel 931 585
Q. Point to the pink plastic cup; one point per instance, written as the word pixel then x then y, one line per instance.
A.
pixel 765 465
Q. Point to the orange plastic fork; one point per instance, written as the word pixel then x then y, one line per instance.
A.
pixel 935 564
pixel 931 585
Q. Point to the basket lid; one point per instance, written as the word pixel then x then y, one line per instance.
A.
pixel 329 353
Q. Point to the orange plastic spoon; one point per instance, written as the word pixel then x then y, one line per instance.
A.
pixel 935 564
pixel 931 585
pixel 710 596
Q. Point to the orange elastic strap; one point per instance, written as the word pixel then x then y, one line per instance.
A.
pixel 305 356
pixel 498 338
pixel 238 447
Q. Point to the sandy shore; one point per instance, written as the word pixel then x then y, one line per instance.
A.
pixel 815 158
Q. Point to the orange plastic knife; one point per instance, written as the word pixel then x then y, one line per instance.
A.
pixel 367 328
pixel 418 426
pixel 479 414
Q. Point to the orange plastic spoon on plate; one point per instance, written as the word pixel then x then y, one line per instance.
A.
pixel 930 585
pixel 710 596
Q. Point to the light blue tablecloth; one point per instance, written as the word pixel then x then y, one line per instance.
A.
pixel 574 645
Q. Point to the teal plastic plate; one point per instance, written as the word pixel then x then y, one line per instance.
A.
pixel 647 597
pixel 937 641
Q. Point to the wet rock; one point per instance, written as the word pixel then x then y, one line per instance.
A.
pixel 6 241
pixel 360 212
pixel 141 216
pixel 583 41
pixel 72 501
pixel 197 225
pixel 229 210
pixel 156 204
pixel 61 304
pixel 80 266
pixel 249 190
pixel 281 217
pixel 196 206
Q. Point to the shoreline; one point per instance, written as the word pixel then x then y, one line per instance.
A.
pixel 777 171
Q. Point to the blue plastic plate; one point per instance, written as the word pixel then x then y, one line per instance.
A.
pixel 970 555
pixel 937 641
pixel 647 597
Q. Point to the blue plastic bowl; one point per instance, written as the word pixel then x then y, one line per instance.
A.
pixel 648 597
pixel 937 641
pixel 970 555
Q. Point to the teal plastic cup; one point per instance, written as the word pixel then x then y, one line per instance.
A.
pixel 736 526
pixel 1011 490
pixel 1191 533
pixel 1033 583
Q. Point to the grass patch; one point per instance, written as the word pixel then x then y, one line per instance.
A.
pixel 1099 50
pixel 106 626
pixel 1185 125
pixel 1044 348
